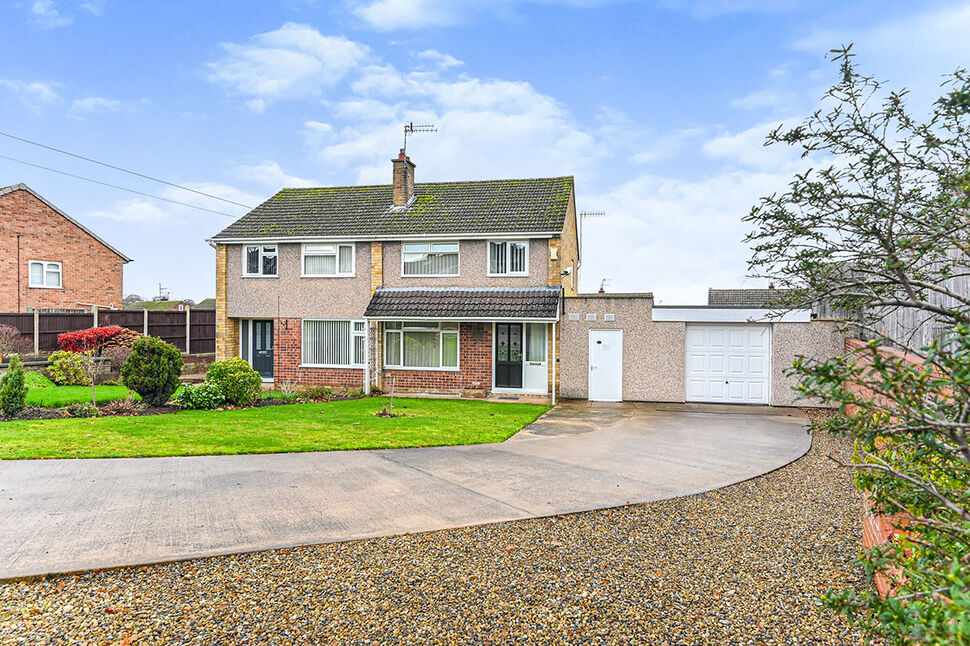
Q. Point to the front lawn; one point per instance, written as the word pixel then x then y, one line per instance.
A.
pixel 44 392
pixel 324 426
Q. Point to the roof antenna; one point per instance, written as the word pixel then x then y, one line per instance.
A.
pixel 411 128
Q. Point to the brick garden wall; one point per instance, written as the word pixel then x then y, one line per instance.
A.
pixel 474 379
pixel 288 354
pixel 91 273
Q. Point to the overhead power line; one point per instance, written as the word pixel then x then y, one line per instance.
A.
pixel 120 188
pixel 124 170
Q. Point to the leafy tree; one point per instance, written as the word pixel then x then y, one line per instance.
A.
pixel 152 370
pixel 13 388
pixel 883 226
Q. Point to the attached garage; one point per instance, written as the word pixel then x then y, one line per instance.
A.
pixel 685 354
pixel 728 364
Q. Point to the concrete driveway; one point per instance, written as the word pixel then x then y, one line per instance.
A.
pixel 67 515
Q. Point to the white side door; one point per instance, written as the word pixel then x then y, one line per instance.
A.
pixel 728 364
pixel 606 365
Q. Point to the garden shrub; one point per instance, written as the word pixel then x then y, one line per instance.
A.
pixel 87 340
pixel 152 370
pixel 67 369
pixel 124 406
pixel 317 393
pixel 13 388
pixel 12 342
pixel 85 409
pixel 205 396
pixel 236 379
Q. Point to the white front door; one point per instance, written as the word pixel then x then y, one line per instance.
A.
pixel 728 364
pixel 605 365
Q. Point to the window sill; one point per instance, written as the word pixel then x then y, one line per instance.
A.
pixel 415 369
pixel 43 287
pixel 259 276
pixel 328 275
pixel 430 275
pixel 359 366
pixel 516 275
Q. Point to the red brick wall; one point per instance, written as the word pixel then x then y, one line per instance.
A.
pixel 288 353
pixel 91 273
pixel 474 376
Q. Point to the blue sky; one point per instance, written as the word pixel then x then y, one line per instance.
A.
pixel 657 107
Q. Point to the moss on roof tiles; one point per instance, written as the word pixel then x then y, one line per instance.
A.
pixel 490 206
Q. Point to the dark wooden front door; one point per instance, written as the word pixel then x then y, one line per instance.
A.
pixel 263 348
pixel 508 355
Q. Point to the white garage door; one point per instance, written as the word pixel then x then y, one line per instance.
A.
pixel 729 363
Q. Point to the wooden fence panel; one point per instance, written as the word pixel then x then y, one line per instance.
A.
pixel 51 325
pixel 168 326
pixel 203 324
pixel 129 319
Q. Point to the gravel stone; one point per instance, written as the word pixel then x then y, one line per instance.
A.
pixel 743 565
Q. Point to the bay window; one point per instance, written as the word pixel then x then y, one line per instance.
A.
pixel 328 259
pixel 508 258
pixel 45 274
pixel 421 344
pixel 429 259
pixel 338 344
pixel 260 260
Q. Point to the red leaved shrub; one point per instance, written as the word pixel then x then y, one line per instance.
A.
pixel 85 340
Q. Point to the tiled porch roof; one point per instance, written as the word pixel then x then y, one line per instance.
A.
pixel 464 303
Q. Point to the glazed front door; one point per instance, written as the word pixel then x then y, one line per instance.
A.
pixel 263 348
pixel 508 355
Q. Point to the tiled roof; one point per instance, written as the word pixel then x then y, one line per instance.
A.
pixel 480 207
pixel 464 302
pixel 757 298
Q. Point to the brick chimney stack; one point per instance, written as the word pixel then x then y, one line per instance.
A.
pixel 403 179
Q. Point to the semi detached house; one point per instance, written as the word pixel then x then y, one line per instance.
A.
pixel 440 287
pixel 469 288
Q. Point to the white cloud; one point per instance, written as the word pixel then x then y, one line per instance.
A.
pixel 293 61
pixel 134 210
pixel 388 15
pixel 46 14
pixel 35 95
pixel 96 105
pixel 746 148
pixel 271 174
pixel 436 58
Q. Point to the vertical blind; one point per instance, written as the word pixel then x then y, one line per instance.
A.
pixel 328 259
pixel 326 343
pixel 421 345
pixel 507 258
pixel 431 259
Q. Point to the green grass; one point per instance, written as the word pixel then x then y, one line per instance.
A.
pixel 58 396
pixel 330 426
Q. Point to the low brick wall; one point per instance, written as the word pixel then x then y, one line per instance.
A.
pixel 876 528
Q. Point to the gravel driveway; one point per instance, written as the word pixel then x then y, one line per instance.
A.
pixel 741 565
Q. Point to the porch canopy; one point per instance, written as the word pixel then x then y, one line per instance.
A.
pixel 538 304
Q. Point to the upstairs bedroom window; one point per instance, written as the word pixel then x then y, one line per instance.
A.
pixel 328 259
pixel 430 259
pixel 508 258
pixel 260 260
pixel 45 274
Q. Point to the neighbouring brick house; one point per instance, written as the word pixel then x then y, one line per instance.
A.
pixel 435 287
pixel 50 261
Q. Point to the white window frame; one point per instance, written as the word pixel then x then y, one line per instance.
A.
pixel 336 254
pixel 422 326
pixel 488 258
pixel 261 246
pixel 45 264
pixel 457 244
pixel 354 334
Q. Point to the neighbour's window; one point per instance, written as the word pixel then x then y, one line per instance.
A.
pixel 430 259
pixel 45 274
pixel 260 261
pixel 328 260
pixel 422 344
pixel 508 258
pixel 333 343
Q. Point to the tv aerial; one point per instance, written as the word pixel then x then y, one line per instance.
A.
pixel 411 128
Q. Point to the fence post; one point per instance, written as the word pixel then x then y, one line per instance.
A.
pixel 94 310
pixel 36 332
pixel 145 324
pixel 188 329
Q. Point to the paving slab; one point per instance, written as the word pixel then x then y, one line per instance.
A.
pixel 68 515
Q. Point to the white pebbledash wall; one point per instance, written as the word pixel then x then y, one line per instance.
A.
pixel 654 352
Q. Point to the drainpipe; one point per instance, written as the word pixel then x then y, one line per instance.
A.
pixel 553 363
pixel 367 358
pixel 18 272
